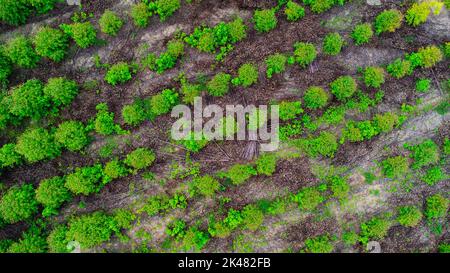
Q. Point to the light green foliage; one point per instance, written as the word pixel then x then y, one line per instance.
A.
pixel 20 51
pixel 104 120
pixel 430 56
pixel 219 85
pixel 176 229
pixel 164 8
pixel 110 23
pixel 265 20
pixel 446 147
pixel 319 244
pixel 123 218
pixel 248 75
pixel 400 68
pixel 266 164
pixel 316 97
pixel 118 74
pixel 252 217
pixel 374 229
pixel 194 239
pixel 163 102
pixel 308 198
pixel 350 238
pixel 275 64
pixel 37 144
pixel 239 173
pixel 343 87
pixel 418 13
pixel 52 193
pixel 423 85
pixel 28 100
pixel 115 169
pixel 395 167
pixel 194 143
pixel 205 185
pixel 140 14
pixel 190 91
pixel 434 175
pixel 409 216
pixel 84 34
pixel 61 91
pixel 294 11
pixel 325 144
pixel 51 43
pixel 156 204
pixel 320 6
pixel 304 53
pixel 134 114
pixel 140 158
pixel 437 206
pixel 72 135
pixel 290 109
pixel 386 122
pixel 333 44
pixel 339 187
pixel 388 21
pixel 85 180
pixel 362 34
pixel 424 154
pixel 374 76
pixel 57 241
pixel 8 156
pixel 446 50
pixel 18 204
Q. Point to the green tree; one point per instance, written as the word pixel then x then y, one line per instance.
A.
pixel 57 241
pixel 304 53
pixel 51 43
pixel 388 21
pixel 21 52
pixel 84 34
pixel 8 156
pixel 61 91
pixel 316 97
pixel 248 75
pixel 333 44
pixel 37 144
pixel 29 100
pixel 395 167
pixel 294 11
pixel 85 180
pixel 140 158
pixel 72 135
pixel 362 33
pixel 265 20
pixel 140 14
pixel 409 216
pixel 374 76
pixel 343 87
pixel 437 207
pixel 205 185
pixel 52 193
pixel 118 73
pixel 110 23
pixel 219 85
pixel 266 164
pixel 18 204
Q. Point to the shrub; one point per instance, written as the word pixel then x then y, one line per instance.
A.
pixel 56 240
pixel 5 69
pixel 409 216
pixel 290 109
pixel 423 85
pixel 446 147
pixel 325 144
pixel 400 68
pixel 61 91
pixel 417 14
pixel 84 34
pixel 37 144
pixel 28 100
pixel 85 180
pixel 18 203
pixel 275 64
pixel 52 193
pixel 350 238
pixel 91 229
pixel 219 85
pixel 394 167
pixel 20 51
pixel 316 97
pixel 14 12
pixel 110 23
pixel 140 14
pixel 265 20
pixel 72 135
pixel 176 229
pixel 430 56
pixel 333 43
pixel 248 75
pixel 447 49
pixel 304 53
pixel 437 207
pixel 193 143
pixel 388 21
pixel 362 33
pixel 8 156
pixel 320 6
pixel 165 8
pixel 205 185
pixel 118 74
pixel 424 154
pixel 343 87
pixel 175 48
pixel 194 239
pixel 252 217
pixel 308 198
pixel 237 30
pixel 334 115
pixel 123 218
pixel 294 11
pixel 239 173
pixel 266 164
pixel 134 114
pixel 104 120
pixel 339 187
pixel 51 43
pixel 32 241
pixel 140 158
pixel 190 91
pixel 319 244
pixel 386 122
pixel 156 204
pixel 374 76
pixel 114 169
pixel 375 229
pixel 163 102
pixel 433 176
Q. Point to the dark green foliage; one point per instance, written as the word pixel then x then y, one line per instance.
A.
pixel 424 154
pixel 400 68
pixel 57 241
pixel 51 43
pixel 219 85
pixel 32 241
pixel 409 216
pixel 21 52
pixel 118 74
pixel 72 135
pixel 395 167
pixel 5 69
pixel 239 173
pixel 350 238
pixel 163 102
pixel 265 20
pixel 266 164
pixel 28 100
pixel 85 180
pixel 248 75
pixel 14 12
pixel 362 33
pixel 308 198
pixel 140 158
pixel 437 206
pixel 140 14
pixel 316 97
pixel 18 204
pixel 8 156
pixel 423 85
pixel 374 229
pixel 156 204
pixel 294 11
pixel 164 8
pixel 194 239
pixel 332 44
pixel 194 143
pixel 290 109
pixel 110 23
pixel 37 144
pixel 205 185
pixel 374 76
pixel 61 91
pixel 304 53
pixel 84 34
pixel 388 21
pixel 343 87
pixel 176 229
pixel 275 63
pixel 319 244
pixel 52 193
